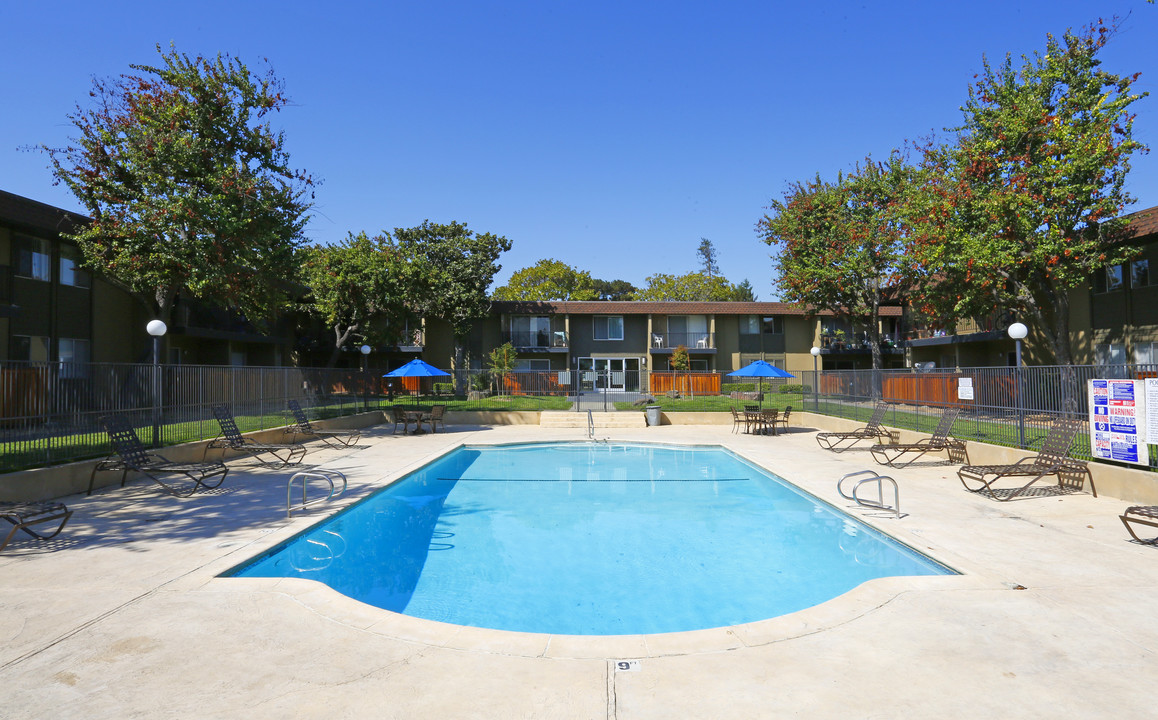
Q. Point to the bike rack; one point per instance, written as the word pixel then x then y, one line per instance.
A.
pixel 305 476
pixel 879 503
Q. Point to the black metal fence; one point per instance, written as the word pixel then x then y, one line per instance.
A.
pixel 49 412
pixel 1007 406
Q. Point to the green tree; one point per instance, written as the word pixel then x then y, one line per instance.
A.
pixel 709 258
pixel 695 286
pixel 359 288
pixel 501 361
pixel 458 268
pixel 614 290
pixel 548 280
pixel 1019 210
pixel 744 292
pixel 189 189
pixel 841 246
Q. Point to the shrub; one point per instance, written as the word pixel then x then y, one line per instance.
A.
pixel 795 389
pixel 729 388
pixel 443 388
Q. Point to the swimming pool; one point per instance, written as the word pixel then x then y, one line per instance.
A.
pixel 591 539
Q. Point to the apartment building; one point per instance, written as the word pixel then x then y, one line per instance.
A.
pixel 53 311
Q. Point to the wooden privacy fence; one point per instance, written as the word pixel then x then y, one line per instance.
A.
pixel 535 382
pixel 935 389
pixel 703 383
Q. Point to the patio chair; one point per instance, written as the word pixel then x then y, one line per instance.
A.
pixel 399 416
pixel 302 426
pixel 872 431
pixel 783 419
pixel 23 515
pixel 1140 514
pixel 940 441
pixel 1052 460
pixel 738 420
pixel 131 455
pixel 232 439
pixel 437 417
pixel 768 420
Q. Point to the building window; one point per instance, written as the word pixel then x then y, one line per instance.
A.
pixel 750 325
pixel 1110 354
pixel 33 258
pixel 773 325
pixel 532 365
pixel 1146 353
pixel 70 274
pixel 29 348
pixel 608 327
pixel 1140 273
pixel 531 331
pixel 74 358
pixel 1109 280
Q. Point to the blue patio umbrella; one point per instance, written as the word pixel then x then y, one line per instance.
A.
pixel 761 370
pixel 417 368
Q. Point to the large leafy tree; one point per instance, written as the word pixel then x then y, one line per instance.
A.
pixel 841 245
pixel 696 286
pixel 189 189
pixel 548 280
pixel 459 266
pixel 359 288
pixel 1019 210
pixel 614 290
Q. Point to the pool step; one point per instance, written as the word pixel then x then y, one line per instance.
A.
pixel 559 419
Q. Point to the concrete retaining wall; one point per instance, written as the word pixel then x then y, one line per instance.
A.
pixel 61 480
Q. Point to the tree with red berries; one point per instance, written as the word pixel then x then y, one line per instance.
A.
pixel 189 189
pixel 840 245
pixel 1021 208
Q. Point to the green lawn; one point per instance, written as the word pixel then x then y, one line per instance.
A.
pixel 718 403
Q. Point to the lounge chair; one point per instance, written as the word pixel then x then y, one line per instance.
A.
pixel 302 426
pixel 872 431
pixel 232 439
pixel 23 515
pixel 1052 460
pixel 437 417
pixel 940 441
pixel 131 455
pixel 1140 514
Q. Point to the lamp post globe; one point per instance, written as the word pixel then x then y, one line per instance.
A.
pixel 156 328
pixel 1017 331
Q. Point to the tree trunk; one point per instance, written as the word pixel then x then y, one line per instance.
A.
pixel 340 339
pixel 461 375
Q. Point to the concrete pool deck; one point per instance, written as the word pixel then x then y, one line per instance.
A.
pixel 123 614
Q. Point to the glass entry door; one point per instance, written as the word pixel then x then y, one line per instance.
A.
pixel 609 374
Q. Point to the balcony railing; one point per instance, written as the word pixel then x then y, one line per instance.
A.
pixel 858 344
pixel 536 338
pixel 690 340
pixel 413 338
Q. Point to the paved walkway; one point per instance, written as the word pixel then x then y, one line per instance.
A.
pixel 123 615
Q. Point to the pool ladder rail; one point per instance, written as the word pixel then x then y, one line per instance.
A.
pixel 305 476
pixel 879 503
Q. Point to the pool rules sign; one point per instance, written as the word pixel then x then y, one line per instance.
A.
pixel 1118 420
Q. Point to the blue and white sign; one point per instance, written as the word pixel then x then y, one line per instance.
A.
pixel 1118 421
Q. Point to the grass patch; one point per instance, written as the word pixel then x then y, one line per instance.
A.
pixel 717 403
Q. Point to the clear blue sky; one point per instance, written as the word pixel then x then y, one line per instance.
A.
pixel 612 136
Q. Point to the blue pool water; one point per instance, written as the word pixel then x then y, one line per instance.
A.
pixel 591 539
